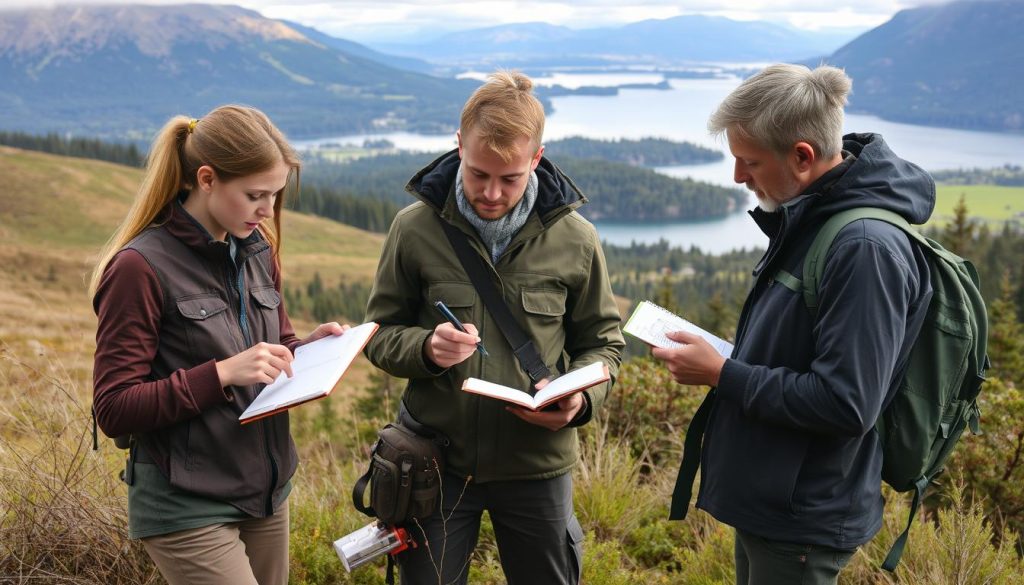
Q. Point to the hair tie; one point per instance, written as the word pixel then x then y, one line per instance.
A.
pixel 192 125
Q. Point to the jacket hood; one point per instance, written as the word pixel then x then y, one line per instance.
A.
pixel 879 178
pixel 556 192
pixel 872 176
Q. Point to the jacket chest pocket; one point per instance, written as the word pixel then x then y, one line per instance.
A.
pixel 206 326
pixel 458 296
pixel 545 312
pixel 266 321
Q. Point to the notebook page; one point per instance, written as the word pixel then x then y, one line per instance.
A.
pixel 651 323
pixel 315 370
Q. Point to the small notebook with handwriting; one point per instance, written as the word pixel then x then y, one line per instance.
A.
pixel 649 323
pixel 316 369
pixel 560 387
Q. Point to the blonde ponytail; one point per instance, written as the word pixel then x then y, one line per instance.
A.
pixel 235 141
pixel 159 185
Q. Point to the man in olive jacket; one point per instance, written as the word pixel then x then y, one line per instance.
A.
pixel 517 209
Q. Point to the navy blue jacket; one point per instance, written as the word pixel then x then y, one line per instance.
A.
pixel 790 452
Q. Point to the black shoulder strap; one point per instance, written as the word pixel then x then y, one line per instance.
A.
pixel 95 436
pixel 522 346
pixel 692 447
pixel 359 489
pixel 389 578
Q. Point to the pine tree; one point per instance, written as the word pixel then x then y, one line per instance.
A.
pixel 315 286
pixel 1006 336
pixel 959 233
pixel 720 319
pixel 665 295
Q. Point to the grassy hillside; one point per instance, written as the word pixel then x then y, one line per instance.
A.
pixel 63 510
pixel 55 214
pixel 66 208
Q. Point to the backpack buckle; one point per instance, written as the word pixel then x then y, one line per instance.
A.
pixel 406 473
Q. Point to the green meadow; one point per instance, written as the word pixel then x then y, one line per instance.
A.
pixel 992 204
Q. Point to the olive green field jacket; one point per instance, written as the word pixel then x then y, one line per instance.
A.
pixel 554 280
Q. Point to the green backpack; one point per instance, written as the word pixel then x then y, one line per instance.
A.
pixel 938 396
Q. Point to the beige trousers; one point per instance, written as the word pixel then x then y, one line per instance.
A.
pixel 252 552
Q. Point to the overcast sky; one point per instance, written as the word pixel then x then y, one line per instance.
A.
pixel 397 20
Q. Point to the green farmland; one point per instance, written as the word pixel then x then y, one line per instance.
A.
pixel 990 203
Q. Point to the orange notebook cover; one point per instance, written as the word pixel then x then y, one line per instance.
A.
pixel 560 387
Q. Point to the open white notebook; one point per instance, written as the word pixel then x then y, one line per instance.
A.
pixel 560 387
pixel 649 323
pixel 316 369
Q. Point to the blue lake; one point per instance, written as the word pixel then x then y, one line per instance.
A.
pixel 681 113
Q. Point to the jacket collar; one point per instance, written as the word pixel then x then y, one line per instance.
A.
pixel 870 175
pixel 190 232
pixel 781 224
pixel 434 184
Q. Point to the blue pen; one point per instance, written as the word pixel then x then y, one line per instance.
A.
pixel 458 325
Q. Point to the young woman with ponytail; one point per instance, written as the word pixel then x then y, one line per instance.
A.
pixel 191 326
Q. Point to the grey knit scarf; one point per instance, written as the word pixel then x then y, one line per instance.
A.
pixel 497 233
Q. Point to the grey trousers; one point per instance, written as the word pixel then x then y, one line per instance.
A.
pixel 761 561
pixel 539 539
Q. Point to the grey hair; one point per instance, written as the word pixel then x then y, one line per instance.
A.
pixel 784 104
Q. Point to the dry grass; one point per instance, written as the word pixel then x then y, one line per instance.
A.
pixel 63 506
pixel 64 517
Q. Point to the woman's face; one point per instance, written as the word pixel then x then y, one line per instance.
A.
pixel 237 206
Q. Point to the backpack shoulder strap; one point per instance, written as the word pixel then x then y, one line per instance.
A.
pixel 814 261
pixel 692 448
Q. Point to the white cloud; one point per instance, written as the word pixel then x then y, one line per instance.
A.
pixel 369 20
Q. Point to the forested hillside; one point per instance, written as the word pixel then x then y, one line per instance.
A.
pixel 92 148
pixel 616 190
pixel 953 64
pixel 646 152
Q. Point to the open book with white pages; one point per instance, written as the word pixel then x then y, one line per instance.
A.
pixel 316 369
pixel 650 323
pixel 560 387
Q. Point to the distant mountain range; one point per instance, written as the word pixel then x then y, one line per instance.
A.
pixel 959 65
pixel 121 71
pixel 354 48
pixel 118 72
pixel 671 41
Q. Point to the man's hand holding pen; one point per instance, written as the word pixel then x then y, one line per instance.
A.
pixel 447 314
pixel 448 346
pixel 452 342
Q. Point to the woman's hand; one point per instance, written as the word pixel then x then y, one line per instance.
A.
pixel 325 329
pixel 260 364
